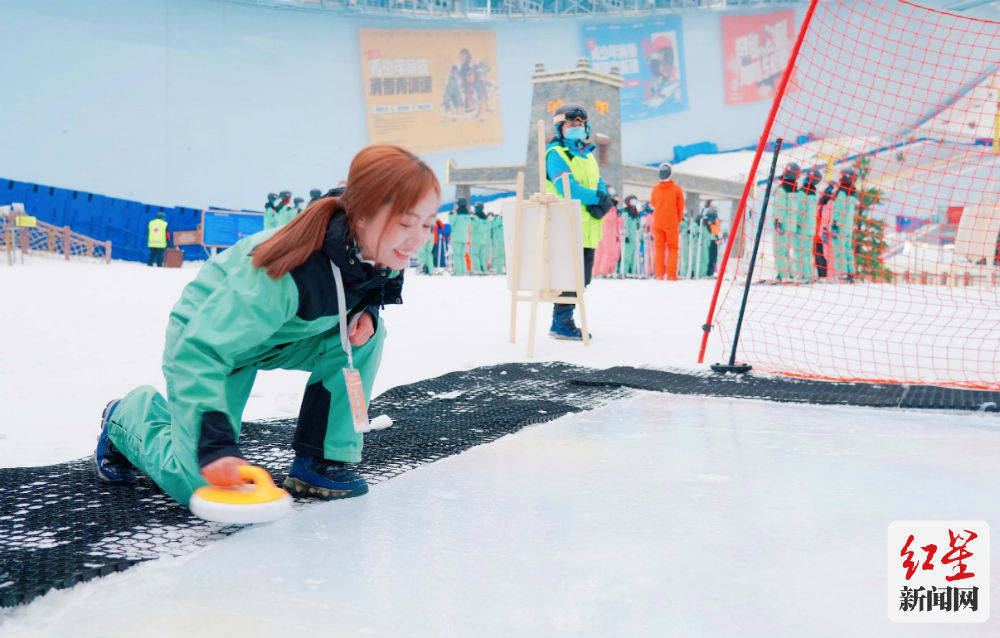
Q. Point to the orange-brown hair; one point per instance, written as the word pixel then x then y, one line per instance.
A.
pixel 379 175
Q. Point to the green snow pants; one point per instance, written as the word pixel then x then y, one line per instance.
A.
pixel 144 425
pixel 479 254
pixel 498 261
pixel 801 256
pixel 843 252
pixel 782 265
pixel 628 265
pixel 459 245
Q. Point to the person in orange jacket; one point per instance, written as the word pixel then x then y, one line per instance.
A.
pixel 668 211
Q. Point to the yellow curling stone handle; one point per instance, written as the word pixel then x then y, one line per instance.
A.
pixel 258 489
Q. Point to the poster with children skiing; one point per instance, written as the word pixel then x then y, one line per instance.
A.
pixel 431 90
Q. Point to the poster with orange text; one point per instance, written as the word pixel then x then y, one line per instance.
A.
pixel 431 90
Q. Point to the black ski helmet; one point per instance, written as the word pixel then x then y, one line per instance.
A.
pixel 790 177
pixel 570 112
pixel 848 177
pixel 812 179
pixel 830 192
pixel 665 171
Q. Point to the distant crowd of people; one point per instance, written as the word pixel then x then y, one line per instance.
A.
pixel 282 208
pixel 629 232
pixel 471 243
pixel 814 225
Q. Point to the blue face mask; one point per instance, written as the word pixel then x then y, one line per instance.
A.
pixel 577 133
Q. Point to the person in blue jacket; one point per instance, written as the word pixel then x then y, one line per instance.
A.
pixel 569 153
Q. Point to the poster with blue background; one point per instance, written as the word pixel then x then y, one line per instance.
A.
pixel 649 55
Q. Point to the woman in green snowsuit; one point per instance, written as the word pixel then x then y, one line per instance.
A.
pixel 271 302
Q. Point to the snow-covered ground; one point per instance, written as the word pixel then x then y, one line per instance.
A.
pixel 652 516
pixel 76 335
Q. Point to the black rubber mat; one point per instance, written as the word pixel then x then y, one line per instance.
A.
pixel 60 526
pixel 785 389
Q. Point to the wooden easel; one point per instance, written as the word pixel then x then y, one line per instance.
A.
pixel 541 289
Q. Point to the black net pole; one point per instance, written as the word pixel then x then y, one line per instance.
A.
pixel 732 366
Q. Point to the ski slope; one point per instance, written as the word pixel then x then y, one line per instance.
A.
pixel 653 516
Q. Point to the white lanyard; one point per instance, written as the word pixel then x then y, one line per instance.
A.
pixel 342 315
pixel 352 378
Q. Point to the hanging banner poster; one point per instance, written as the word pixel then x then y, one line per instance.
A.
pixel 649 56
pixel 756 49
pixel 431 90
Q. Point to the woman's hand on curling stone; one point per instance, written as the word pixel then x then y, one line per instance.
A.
pixel 362 330
pixel 224 472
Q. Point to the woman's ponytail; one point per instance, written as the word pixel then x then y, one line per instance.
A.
pixel 288 248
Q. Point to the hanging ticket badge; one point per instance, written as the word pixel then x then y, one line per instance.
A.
pixel 356 397
pixel 352 378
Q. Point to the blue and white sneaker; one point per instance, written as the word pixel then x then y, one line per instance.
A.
pixel 328 480
pixel 110 465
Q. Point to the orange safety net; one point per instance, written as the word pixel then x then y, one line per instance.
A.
pixel 879 257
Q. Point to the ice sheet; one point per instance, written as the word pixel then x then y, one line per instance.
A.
pixel 653 516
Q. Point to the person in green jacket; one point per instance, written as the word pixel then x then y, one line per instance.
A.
pixel 804 243
pixel 703 239
pixel 460 221
pixel 498 259
pixel 844 212
pixel 684 245
pixel 303 297
pixel 479 241
pixel 630 238
pixel 286 209
pixel 271 211
pixel 785 211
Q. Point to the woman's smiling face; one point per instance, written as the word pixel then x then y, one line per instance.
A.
pixel 390 242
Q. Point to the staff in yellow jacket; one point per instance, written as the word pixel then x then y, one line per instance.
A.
pixel 568 152
pixel 156 239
